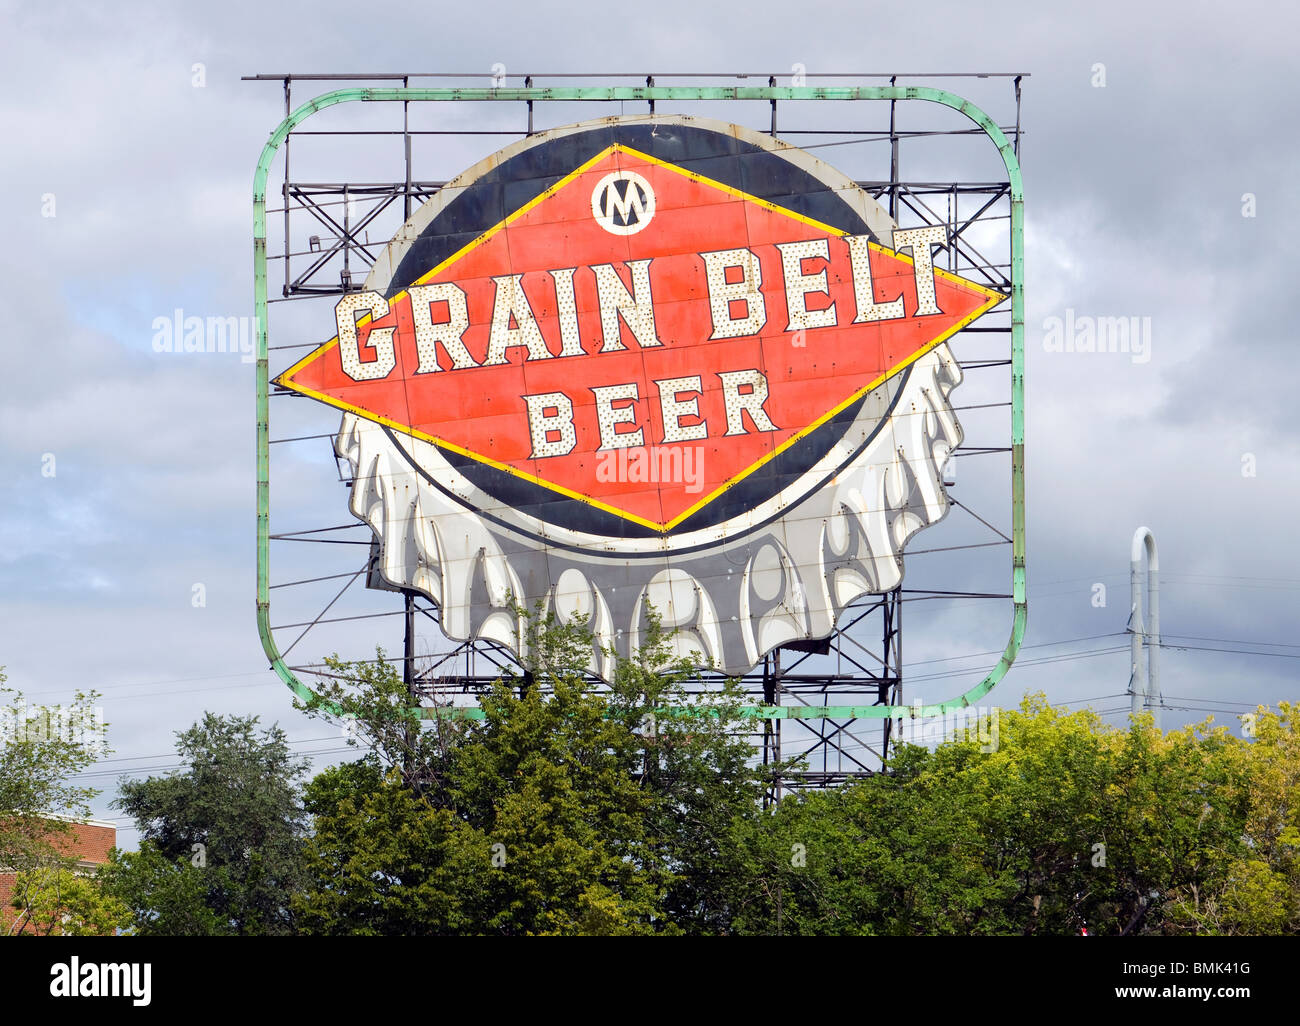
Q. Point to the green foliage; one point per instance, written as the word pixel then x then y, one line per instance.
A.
pixel 41 750
pixel 1253 884
pixel 638 808
pixel 54 901
pixel 371 702
pixel 382 861
pixel 697 765
pixel 1068 824
pixel 229 827
pixel 166 897
pixel 528 821
pixel 563 810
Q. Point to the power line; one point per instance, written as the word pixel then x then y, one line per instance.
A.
pixel 1064 657
pixel 1043 644
pixel 149 683
pixel 106 691
pixel 1232 651
pixel 181 766
pixel 168 755
pixel 1290 581
pixel 1215 701
pixel 1169 576
pixel 1200 709
pixel 1232 641
pixel 169 767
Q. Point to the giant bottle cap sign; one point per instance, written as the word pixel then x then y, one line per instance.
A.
pixel 648 361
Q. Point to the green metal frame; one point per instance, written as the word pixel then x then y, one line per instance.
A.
pixel 646 94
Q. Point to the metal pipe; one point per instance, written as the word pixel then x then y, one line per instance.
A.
pixel 1145 682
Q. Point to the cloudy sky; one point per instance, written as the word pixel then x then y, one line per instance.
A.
pixel 1159 165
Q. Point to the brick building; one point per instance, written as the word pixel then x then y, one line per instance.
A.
pixel 89 842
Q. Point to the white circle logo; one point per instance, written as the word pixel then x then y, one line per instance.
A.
pixel 623 203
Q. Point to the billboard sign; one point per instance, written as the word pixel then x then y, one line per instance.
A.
pixel 650 361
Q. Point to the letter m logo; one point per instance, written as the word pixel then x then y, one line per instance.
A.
pixel 623 203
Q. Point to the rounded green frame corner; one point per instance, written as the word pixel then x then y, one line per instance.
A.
pixel 1020 608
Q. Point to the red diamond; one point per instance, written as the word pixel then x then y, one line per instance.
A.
pixel 479 408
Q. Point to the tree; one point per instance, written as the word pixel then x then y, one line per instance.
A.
pixel 1256 886
pixel 1068 824
pixel 567 808
pixel 528 821
pixel 221 841
pixel 370 700
pixel 382 861
pixel 164 897
pixel 52 901
pixel 698 771
pixel 1272 824
pixel 43 749
pixel 895 854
